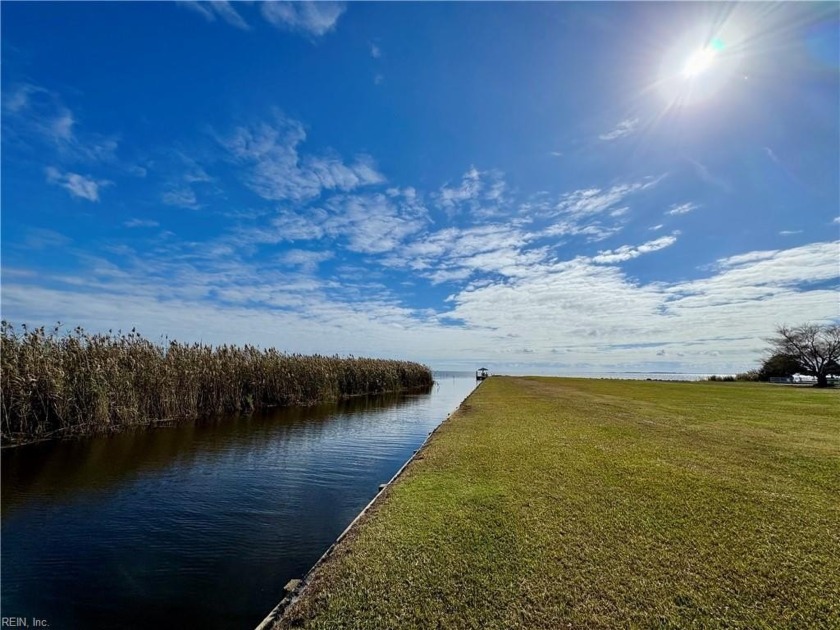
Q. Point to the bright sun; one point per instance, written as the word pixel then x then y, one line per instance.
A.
pixel 702 60
pixel 698 63
pixel 698 66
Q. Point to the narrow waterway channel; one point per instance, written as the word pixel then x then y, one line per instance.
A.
pixel 197 525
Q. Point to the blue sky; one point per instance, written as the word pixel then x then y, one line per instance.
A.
pixel 535 187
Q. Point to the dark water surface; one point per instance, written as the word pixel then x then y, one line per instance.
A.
pixel 197 525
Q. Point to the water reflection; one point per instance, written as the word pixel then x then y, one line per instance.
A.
pixel 45 471
pixel 200 523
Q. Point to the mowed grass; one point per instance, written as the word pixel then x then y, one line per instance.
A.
pixel 573 503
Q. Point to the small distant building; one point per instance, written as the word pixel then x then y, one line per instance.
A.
pixel 481 374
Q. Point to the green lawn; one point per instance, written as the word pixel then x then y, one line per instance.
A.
pixel 571 503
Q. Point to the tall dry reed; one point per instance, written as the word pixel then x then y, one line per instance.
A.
pixel 55 383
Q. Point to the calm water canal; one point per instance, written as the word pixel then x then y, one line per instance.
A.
pixel 197 525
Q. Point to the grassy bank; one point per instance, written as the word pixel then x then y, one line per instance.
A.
pixel 566 503
pixel 60 384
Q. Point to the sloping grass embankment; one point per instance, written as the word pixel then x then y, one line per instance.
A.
pixel 566 503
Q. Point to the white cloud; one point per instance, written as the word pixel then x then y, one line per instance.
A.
pixel 587 306
pixel 18 98
pixel 40 239
pixel 772 155
pixel 229 14
pixel 373 223
pixel 813 262
pixel 62 126
pixel 591 201
pixel 277 172
pixel 469 189
pixel 682 208
pixel 140 223
pixel 306 260
pixel 628 252
pixel 593 231
pixel 749 257
pixel 34 114
pixel 202 8
pixel 456 254
pixel 789 232
pixel 183 197
pixel 483 193
pixel 449 275
pixel 220 8
pixel 311 18
pixel 624 128
pixel 706 175
pixel 375 51
pixel 654 228
pixel 81 186
pixel 580 311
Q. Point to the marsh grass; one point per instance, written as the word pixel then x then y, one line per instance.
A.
pixel 572 503
pixel 56 384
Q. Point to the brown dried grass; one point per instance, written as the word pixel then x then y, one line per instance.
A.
pixel 58 384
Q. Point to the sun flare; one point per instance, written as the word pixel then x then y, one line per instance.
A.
pixel 698 67
pixel 699 62
pixel 702 60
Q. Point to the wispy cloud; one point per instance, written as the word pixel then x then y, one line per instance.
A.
pixel 373 223
pixel 229 14
pixel 706 175
pixel 578 297
pixel 483 193
pixel 771 155
pixel 20 97
pixel 749 257
pixel 277 172
pixel 628 252
pixel 34 114
pixel 593 231
pixel 306 260
pixel 624 128
pixel 311 18
pixel 789 232
pixel 185 177
pixel 202 8
pixel 40 239
pixel 81 186
pixel 140 223
pixel 468 190
pixel 217 8
pixel 375 51
pixel 183 197
pixel 682 208
pixel 455 254
pixel 591 201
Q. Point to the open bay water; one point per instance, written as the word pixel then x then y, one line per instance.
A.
pixel 200 524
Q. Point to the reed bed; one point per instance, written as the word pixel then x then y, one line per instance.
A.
pixel 57 384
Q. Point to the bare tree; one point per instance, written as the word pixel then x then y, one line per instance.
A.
pixel 816 348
